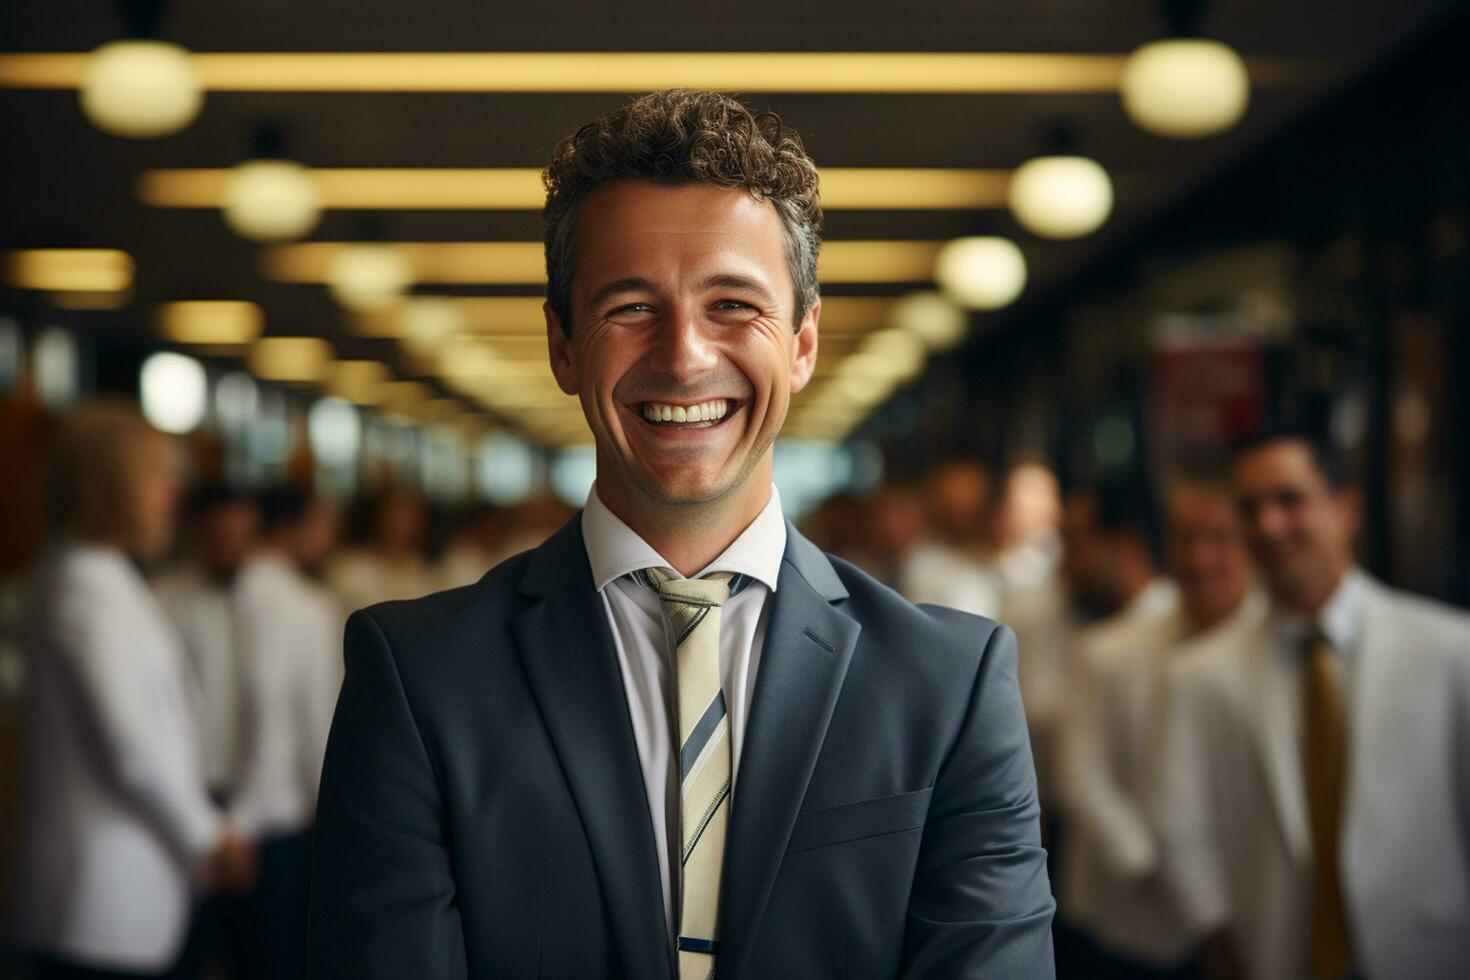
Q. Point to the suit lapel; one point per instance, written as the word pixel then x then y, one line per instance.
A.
pixel 566 648
pixel 808 645
pixel 1274 685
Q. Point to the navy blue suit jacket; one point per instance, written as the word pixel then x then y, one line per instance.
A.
pixel 483 813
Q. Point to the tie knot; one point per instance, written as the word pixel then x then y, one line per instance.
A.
pixel 711 590
pixel 1315 643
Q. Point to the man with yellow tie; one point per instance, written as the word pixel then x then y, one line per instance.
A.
pixel 1315 796
pixel 677 739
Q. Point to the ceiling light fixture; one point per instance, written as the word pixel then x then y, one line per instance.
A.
pixel 221 322
pixel 269 198
pixel 289 359
pixel 1061 194
pixel 982 272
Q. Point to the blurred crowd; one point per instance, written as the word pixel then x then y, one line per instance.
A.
pixel 1217 696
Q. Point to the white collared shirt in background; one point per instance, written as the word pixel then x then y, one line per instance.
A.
pixel 203 612
pixel 1340 620
pixel 636 617
pixel 290 648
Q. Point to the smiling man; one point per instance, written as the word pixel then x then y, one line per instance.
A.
pixel 677 739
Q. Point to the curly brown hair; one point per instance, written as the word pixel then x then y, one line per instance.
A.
pixel 680 136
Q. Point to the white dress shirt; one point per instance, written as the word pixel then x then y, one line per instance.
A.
pixel 203 612
pixel 1341 622
pixel 636 616
pixel 290 648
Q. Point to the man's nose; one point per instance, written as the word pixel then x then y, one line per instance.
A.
pixel 683 347
pixel 1270 521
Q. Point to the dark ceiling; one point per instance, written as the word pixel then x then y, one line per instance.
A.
pixel 71 185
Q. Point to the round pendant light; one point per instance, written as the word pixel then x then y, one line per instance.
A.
pixel 141 89
pixel 1061 196
pixel 1185 88
pixel 368 276
pixel 426 323
pixel 931 317
pixel 271 200
pixel 981 273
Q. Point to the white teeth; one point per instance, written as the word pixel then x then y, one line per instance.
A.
pixel 710 411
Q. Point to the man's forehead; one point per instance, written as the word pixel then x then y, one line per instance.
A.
pixel 642 207
pixel 1282 461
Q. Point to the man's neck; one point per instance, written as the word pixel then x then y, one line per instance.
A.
pixel 1311 602
pixel 690 536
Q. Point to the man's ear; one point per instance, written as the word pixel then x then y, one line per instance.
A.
pixel 804 352
pixel 559 349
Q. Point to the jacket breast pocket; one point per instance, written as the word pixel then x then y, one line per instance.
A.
pixel 859 821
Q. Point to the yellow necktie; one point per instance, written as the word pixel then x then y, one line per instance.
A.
pixel 691 609
pixel 1325 758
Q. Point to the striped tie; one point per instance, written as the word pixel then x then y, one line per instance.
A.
pixel 691 610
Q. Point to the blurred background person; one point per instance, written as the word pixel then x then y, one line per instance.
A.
pixel 1111 746
pixel 291 655
pixel 836 526
pixel 200 596
pixel 477 547
pixel 892 522
pixel 1128 605
pixel 949 564
pixel 385 559
pixel 119 829
pixel 220 527
pixel 1027 543
pixel 1315 802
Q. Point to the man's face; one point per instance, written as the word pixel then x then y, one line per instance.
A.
pixel 682 305
pixel 1299 528
pixel 1207 552
pixel 1085 558
pixel 226 533
pixel 958 495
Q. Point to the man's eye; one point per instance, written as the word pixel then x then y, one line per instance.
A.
pixel 631 308
pixel 731 304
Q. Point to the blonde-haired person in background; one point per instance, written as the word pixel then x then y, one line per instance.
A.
pixel 119 829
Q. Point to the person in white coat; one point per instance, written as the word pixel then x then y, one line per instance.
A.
pixel 1113 574
pixel 118 828
pixel 1112 739
pixel 291 658
pixel 1315 802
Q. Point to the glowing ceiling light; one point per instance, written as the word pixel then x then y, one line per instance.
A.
pixel 210 322
pixel 1185 88
pixel 940 323
pixel 70 270
pixel 903 353
pixel 174 392
pixel 1061 196
pixel 368 276
pixel 358 381
pixel 140 89
pixel 270 200
pixel 426 323
pixel 297 359
pixel 981 273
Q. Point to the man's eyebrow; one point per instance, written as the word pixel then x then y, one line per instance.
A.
pixel 731 281
pixel 627 284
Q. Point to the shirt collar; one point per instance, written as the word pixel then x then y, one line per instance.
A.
pixel 614 549
pixel 1340 620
